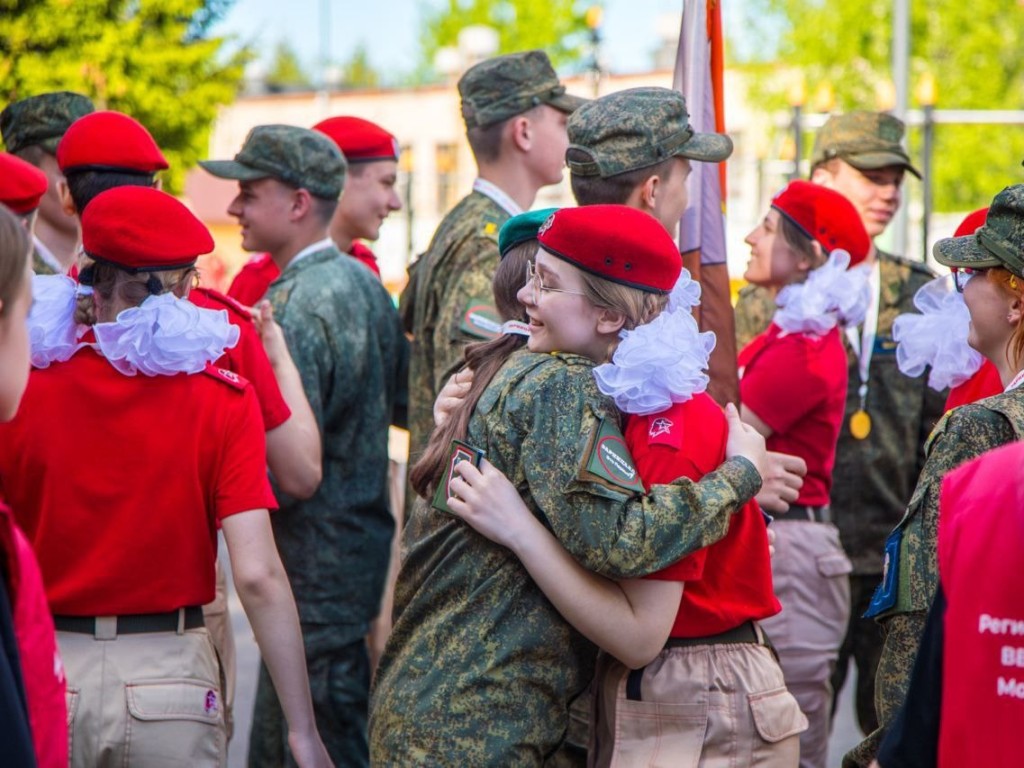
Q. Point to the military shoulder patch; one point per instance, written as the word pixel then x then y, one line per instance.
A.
pixel 459 452
pixel 230 378
pixel 607 461
pixel 480 319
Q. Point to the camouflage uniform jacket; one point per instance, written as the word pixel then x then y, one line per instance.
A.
pixel 963 434
pixel 344 334
pixel 874 478
pixel 454 273
pixel 480 668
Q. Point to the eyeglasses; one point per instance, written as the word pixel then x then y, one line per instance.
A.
pixel 962 274
pixel 533 281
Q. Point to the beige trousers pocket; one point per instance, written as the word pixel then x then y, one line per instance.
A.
pixel 174 722
pixel 777 714
pixel 656 734
pixel 71 699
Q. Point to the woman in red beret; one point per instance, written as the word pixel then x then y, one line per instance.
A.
pixel 33 724
pixel 793 380
pixel 477 641
pixel 125 456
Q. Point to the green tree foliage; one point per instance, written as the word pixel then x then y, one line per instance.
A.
pixel 358 71
pixel 285 72
pixel 972 49
pixel 151 59
pixel 556 26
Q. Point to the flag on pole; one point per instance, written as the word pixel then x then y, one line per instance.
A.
pixel 698 76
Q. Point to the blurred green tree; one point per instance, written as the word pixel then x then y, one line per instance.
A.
pixel 971 49
pixel 152 59
pixel 358 71
pixel 285 72
pixel 556 26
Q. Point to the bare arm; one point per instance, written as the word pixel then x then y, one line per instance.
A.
pixel 751 418
pixel 630 620
pixel 267 598
pixel 293 448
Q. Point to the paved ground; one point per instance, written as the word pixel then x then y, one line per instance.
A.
pixel 845 733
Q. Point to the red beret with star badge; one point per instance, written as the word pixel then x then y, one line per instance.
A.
pixel 615 242
pixel 141 229
pixel 22 185
pixel 825 216
pixel 109 141
pixel 359 140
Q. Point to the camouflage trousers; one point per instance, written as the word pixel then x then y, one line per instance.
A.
pixel 899 649
pixel 339 679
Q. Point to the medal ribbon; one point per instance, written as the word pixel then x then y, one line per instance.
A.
pixel 863 343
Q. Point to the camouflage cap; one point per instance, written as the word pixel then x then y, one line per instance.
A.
pixel 865 140
pixel 506 86
pixel 41 119
pixel 297 156
pixel 637 128
pixel 999 243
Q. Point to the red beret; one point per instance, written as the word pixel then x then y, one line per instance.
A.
pixel 615 242
pixel 826 216
pixel 22 185
pixel 360 140
pixel 109 141
pixel 142 229
pixel 972 223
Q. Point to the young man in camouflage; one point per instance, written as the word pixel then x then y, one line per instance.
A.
pixel 860 155
pixel 31 129
pixel 515 111
pixel 346 339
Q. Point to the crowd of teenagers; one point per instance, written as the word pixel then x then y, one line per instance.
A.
pixel 593 561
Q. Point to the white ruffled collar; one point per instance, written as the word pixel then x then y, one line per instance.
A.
pixel 937 337
pixel 163 336
pixel 661 362
pixel 831 295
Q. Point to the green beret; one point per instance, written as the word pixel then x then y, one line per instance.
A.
pixel 297 156
pixel 41 119
pixel 522 228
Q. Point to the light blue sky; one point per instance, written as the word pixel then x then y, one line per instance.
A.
pixel 389 29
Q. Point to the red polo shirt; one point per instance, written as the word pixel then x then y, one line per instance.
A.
pixel 119 481
pixel 729 582
pixel 797 385
pixel 984 383
pixel 247 358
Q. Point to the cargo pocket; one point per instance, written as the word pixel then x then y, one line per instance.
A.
pixel 777 714
pixel 174 722
pixel 833 603
pixel 71 699
pixel 658 735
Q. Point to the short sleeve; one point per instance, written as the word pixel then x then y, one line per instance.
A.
pixel 242 482
pixel 784 383
pixel 249 360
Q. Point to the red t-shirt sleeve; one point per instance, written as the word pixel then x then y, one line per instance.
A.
pixel 249 360
pixel 251 283
pixel 241 482
pixel 784 382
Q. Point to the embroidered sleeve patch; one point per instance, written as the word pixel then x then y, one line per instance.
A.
pixel 607 460
pixel 480 319
pixel 460 451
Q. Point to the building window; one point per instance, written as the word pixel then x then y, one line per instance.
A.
pixel 447 164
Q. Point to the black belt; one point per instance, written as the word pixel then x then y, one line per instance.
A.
pixel 744 633
pixel 134 624
pixel 822 514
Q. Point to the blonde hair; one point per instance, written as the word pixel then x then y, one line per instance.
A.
pixel 638 306
pixel 1013 286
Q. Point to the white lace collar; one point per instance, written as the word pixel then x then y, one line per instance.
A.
pixel 662 362
pixel 163 336
pixel 831 295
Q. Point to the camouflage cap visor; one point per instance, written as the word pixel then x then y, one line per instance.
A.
pixel 550 93
pixel 706 147
pixel 982 250
pixel 232 169
pixel 871 161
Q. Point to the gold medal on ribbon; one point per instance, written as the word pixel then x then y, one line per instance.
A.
pixel 860 424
